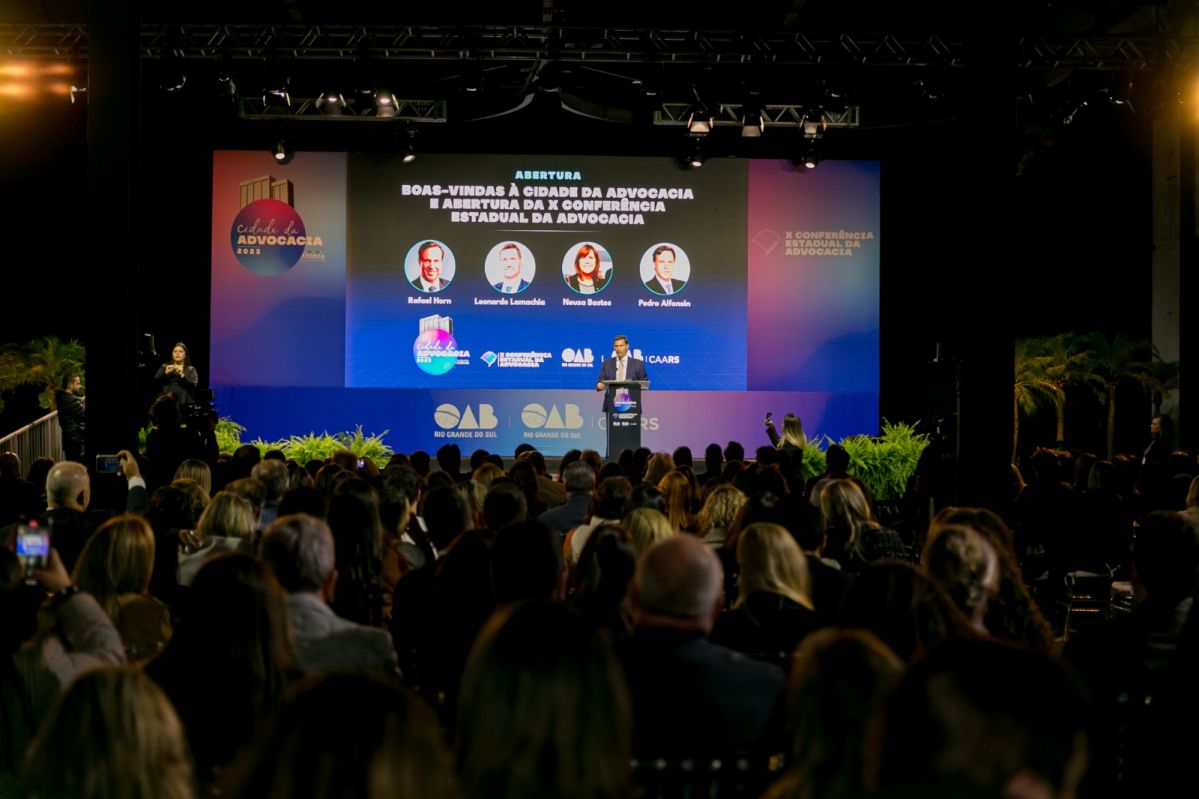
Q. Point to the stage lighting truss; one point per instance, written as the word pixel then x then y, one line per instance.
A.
pixel 368 108
pixel 772 116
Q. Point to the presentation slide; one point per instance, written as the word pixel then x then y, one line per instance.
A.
pixel 473 298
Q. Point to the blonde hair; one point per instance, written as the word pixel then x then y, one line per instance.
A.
pixel 646 527
pixel 771 561
pixel 660 463
pixel 195 469
pixel 721 508
pixel 485 474
pixel 116 560
pixel 792 432
pixel 843 505
pixel 229 516
pixel 112 735
pixel 676 488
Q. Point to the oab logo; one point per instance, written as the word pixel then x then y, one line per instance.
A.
pixel 449 417
pixel 577 357
pixel 537 417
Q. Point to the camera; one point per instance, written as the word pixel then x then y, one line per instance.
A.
pixel 362 463
pixel 108 464
pixel 33 549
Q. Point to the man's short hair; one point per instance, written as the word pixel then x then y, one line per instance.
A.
pixel 734 451
pixel 665 248
pixel 274 477
pixel 504 504
pixel 578 478
pixel 426 245
pixel 679 577
pixel 621 337
pixel 250 489
pixel 299 550
pixel 67 379
pixel 65 482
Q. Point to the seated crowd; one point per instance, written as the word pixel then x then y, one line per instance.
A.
pixel 250 627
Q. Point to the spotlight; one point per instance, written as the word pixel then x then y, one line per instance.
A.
pixel 695 153
pixel 810 156
pixel 277 99
pixel 409 148
pixel 282 152
pixel 752 124
pixel 813 125
pixel 385 104
pixel 699 122
pixel 331 103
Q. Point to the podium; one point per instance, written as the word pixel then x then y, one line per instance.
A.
pixel 622 401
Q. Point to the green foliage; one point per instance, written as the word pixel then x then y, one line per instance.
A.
pixel 885 462
pixel 228 435
pixel 312 446
pixel 43 363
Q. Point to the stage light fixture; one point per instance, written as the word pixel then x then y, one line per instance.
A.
pixel 695 153
pixel 810 156
pixel 409 147
pixel 699 121
pixel 331 103
pixel 283 152
pixel 277 99
pixel 386 106
pixel 752 124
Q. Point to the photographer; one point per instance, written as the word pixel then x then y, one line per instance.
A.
pixel 178 378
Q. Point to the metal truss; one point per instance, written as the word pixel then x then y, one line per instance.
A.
pixel 775 116
pixel 356 110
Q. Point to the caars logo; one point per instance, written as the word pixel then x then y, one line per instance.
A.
pixel 537 417
pixel 481 417
pixel 577 357
pixel 663 359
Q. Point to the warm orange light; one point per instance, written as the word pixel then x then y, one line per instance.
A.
pixel 56 69
pixel 16 91
pixel 16 69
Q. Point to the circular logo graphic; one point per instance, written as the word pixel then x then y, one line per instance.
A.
pixel 446 416
pixel 435 352
pixel 587 268
pixel 622 402
pixel 268 237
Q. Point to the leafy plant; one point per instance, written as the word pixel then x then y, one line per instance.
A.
pixel 885 462
pixel 228 435
pixel 43 363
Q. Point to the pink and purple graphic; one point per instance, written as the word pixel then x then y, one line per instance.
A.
pixel 435 351
pixel 268 237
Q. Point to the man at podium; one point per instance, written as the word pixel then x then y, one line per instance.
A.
pixel 620 367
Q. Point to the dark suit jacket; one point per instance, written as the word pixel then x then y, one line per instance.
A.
pixel 524 284
pixel 676 286
pixel 692 697
pixel 441 283
pixel 634 370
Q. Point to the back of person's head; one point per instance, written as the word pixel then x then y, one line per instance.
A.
pixel 486 474
pixel 845 507
pixel 474 495
pixel 721 508
pixel 504 504
pixel 391 748
pixel 679 578
pixel 526 562
pixel 645 495
pixel 660 464
pixel 524 474
pixel 762 507
pixel 771 562
pixel 300 551
pixel 305 499
pixel 907 611
pixel 112 734
pixel 449 458
pixel 440 480
pixel 345 458
pixel 766 455
pixel 67 484
pixel 676 489
pixel 962 562
pixel 538 460
pixel 10 465
pixel 496 459
pixel 682 456
pixel 1192 500
pixel 734 451
pixel 571 456
pixel 983 714
pixel 593 459
pixel 610 498
pixel 117 559
pixel 605 567
pixel 1165 556
pixel 420 461
pixel 839 679
pixel 713 458
pixel 478 458
pixel 646 527
pixel 165 412
pixel 198 470
pixel 578 478
pixel 227 516
pixel 836 459
pixel 792 431
pixel 177 506
pixel 804 522
pixel 252 490
pixel 543 709
pixel 357 528
pixel 521 449
pixel 1045 466
pixel 274 477
pixel 243 461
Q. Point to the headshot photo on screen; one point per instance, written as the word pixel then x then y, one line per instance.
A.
pixel 429 266
pixel 587 268
pixel 510 267
pixel 665 269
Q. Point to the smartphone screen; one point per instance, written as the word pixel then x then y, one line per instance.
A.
pixel 362 463
pixel 33 547
pixel 108 464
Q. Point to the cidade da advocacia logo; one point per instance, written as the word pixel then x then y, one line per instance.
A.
pixel 435 349
pixel 268 236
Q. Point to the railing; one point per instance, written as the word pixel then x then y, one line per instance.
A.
pixel 42 438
